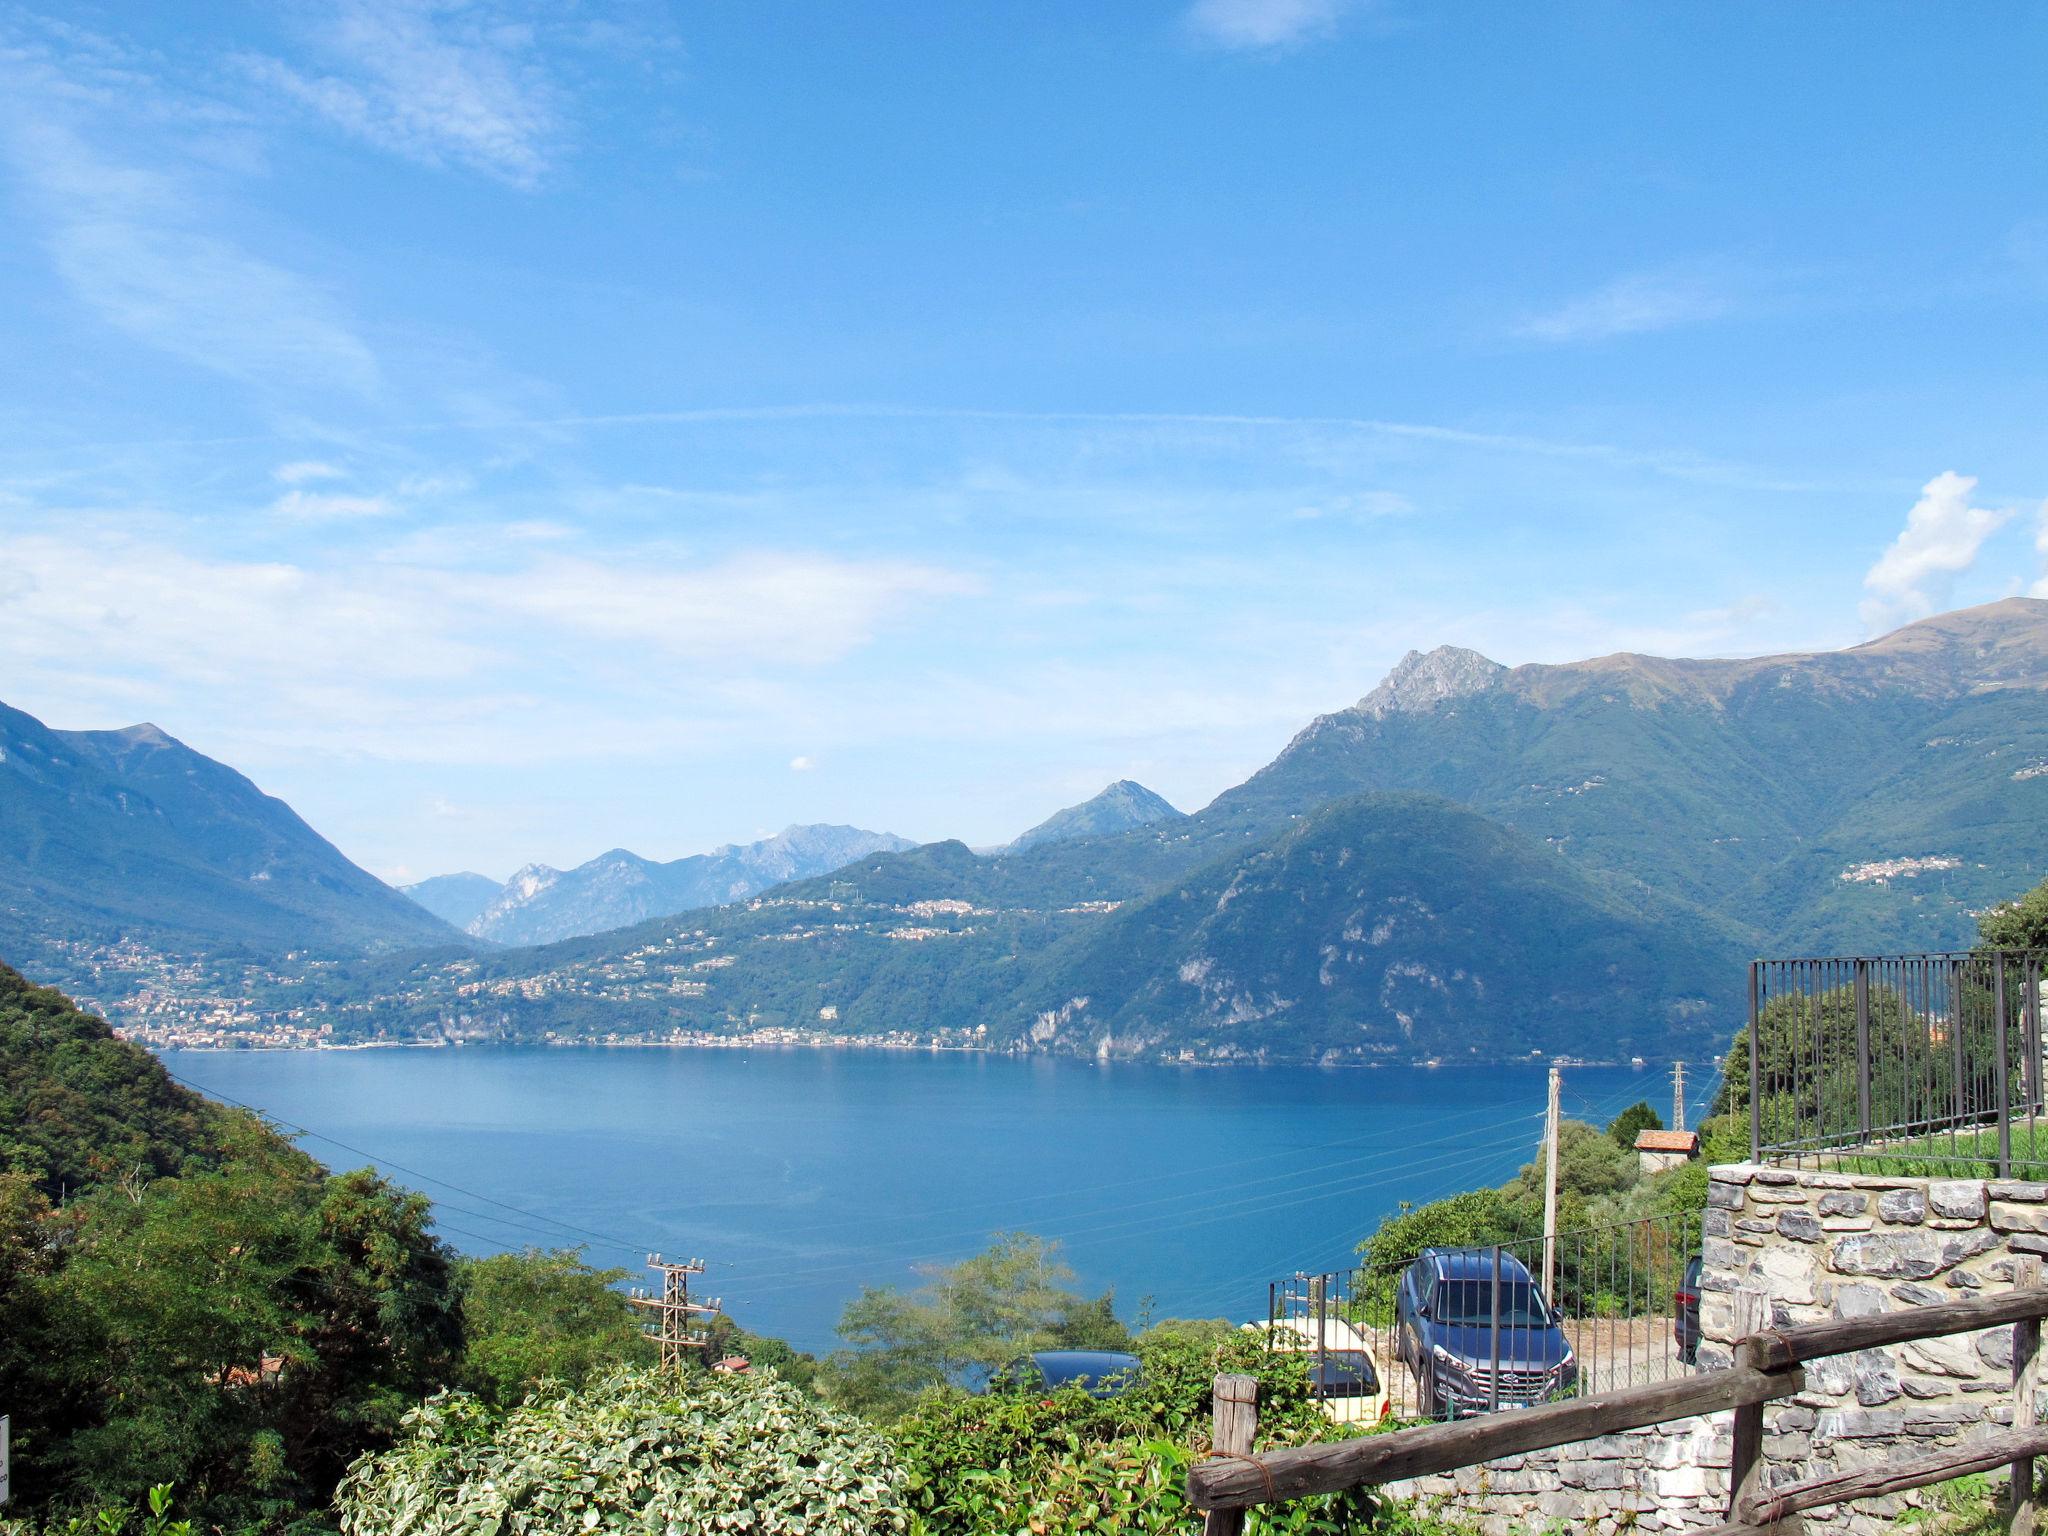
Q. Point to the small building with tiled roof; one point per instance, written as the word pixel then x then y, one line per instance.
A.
pixel 1658 1150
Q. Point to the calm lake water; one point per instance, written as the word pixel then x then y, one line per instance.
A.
pixel 802 1175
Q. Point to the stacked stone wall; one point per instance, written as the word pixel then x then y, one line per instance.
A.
pixel 1784 1246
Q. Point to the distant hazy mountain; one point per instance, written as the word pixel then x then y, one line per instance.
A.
pixel 539 905
pixel 1120 807
pixel 458 899
pixel 108 836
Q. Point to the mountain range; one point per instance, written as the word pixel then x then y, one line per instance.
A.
pixel 1473 858
pixel 539 905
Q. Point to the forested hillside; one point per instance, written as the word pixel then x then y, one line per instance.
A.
pixel 188 1299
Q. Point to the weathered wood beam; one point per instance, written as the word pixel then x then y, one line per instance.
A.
pixel 1883 1477
pixel 1780 1347
pixel 1297 1471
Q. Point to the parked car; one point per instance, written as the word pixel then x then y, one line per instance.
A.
pixel 1098 1372
pixel 1685 1314
pixel 1342 1373
pixel 1444 1333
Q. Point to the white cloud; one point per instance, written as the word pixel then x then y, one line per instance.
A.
pixel 425 661
pixel 303 470
pixel 1263 24
pixel 439 84
pixel 330 506
pixel 1360 505
pixel 802 764
pixel 1638 303
pixel 127 241
pixel 2041 549
pixel 1942 536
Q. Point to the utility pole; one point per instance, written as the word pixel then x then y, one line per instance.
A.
pixel 675 1331
pixel 1550 1187
pixel 1678 1095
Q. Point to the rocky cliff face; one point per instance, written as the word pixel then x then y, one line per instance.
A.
pixel 1420 681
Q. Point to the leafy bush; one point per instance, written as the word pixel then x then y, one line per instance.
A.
pixel 111 1520
pixel 1066 1463
pixel 639 1451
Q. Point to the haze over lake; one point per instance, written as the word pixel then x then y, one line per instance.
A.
pixel 802 1174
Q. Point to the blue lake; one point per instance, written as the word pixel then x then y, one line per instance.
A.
pixel 801 1175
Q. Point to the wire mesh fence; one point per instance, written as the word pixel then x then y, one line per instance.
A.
pixel 1456 1331
pixel 1899 1064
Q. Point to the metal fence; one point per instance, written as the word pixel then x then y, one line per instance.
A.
pixel 1472 1330
pixel 1899 1064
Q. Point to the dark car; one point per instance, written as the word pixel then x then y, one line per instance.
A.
pixel 1445 1316
pixel 1685 1317
pixel 1098 1372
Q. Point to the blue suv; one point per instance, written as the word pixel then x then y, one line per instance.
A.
pixel 1444 1321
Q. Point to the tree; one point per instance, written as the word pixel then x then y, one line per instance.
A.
pixel 541 1316
pixel 2021 923
pixel 967 1318
pixel 1589 1165
pixel 1638 1117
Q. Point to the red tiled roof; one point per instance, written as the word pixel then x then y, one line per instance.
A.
pixel 1667 1141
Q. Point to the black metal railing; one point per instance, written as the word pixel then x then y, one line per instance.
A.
pixel 1505 1325
pixel 1904 1064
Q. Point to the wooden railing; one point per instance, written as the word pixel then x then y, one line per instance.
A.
pixel 1769 1365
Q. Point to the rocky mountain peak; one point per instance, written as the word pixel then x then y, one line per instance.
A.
pixel 1421 680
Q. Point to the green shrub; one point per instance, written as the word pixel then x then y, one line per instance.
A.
pixel 1063 1462
pixel 640 1451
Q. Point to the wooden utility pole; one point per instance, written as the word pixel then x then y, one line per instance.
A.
pixel 1678 1095
pixel 1550 1187
pixel 675 1330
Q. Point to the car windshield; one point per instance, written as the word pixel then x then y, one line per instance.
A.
pixel 1344 1373
pixel 1469 1304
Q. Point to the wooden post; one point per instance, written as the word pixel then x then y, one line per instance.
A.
pixel 1236 1422
pixel 1746 1463
pixel 2026 1377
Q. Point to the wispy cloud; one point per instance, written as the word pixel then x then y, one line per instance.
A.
pixel 1263 25
pixel 1641 302
pixel 119 240
pixel 302 506
pixel 1942 536
pixel 439 84
pixel 133 239
pixel 303 470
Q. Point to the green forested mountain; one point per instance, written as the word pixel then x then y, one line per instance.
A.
pixel 1123 805
pixel 1380 927
pixel 79 1107
pixel 1868 798
pixel 129 836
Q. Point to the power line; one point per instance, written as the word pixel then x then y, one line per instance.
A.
pixel 469 1194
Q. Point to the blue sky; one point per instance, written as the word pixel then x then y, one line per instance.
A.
pixel 509 431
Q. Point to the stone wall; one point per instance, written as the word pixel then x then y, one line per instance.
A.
pixel 1664 1479
pixel 1791 1246
pixel 1783 1246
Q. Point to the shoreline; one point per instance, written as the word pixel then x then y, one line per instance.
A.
pixel 855 1043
